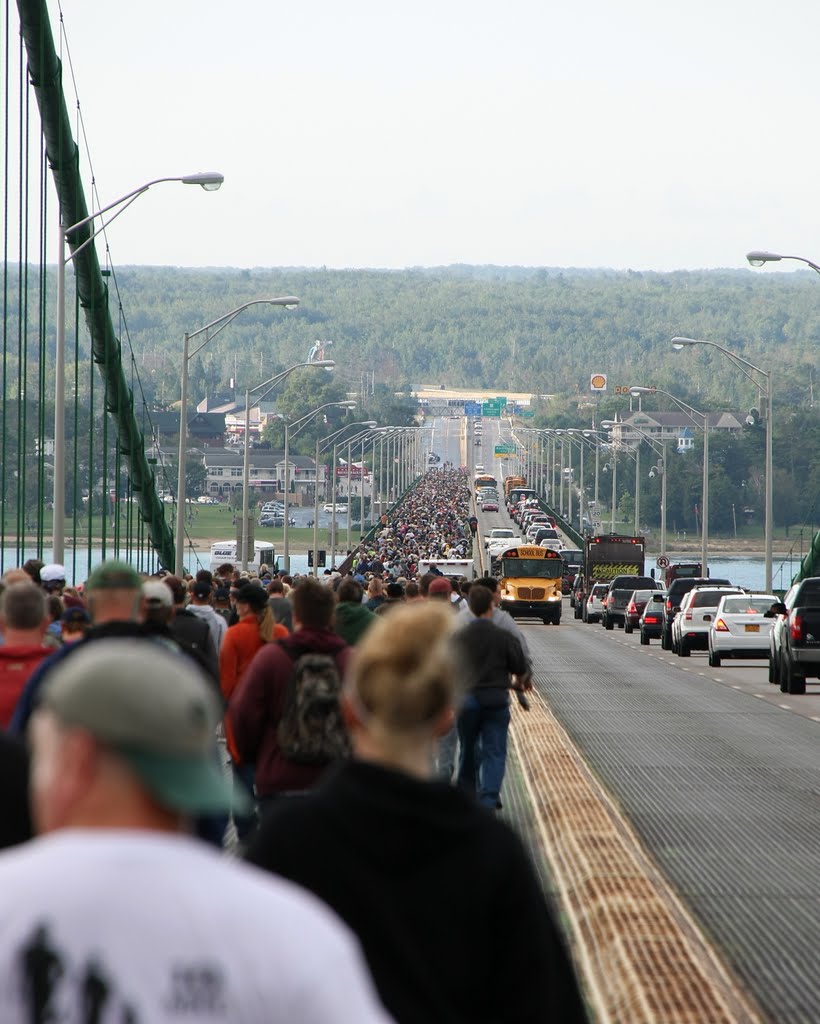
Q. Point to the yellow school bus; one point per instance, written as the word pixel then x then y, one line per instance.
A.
pixel 530 582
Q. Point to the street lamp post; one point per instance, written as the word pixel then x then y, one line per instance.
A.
pixel 324 442
pixel 694 415
pixel 765 392
pixel 326 364
pixel 221 322
pixel 659 469
pixel 210 181
pixel 298 425
pixel 758 257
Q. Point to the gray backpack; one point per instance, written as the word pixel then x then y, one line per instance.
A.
pixel 312 730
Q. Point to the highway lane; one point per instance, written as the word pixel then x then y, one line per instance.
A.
pixel 719 775
pixel 722 788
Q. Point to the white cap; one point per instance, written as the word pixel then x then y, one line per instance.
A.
pixel 51 573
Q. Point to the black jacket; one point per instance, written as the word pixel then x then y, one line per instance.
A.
pixel 488 654
pixel 15 823
pixel 442 896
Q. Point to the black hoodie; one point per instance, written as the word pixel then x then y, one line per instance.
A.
pixel 442 896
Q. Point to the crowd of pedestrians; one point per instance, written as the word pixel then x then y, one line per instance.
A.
pixel 365 719
pixel 432 522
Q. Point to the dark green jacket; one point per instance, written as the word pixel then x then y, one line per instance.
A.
pixel 352 621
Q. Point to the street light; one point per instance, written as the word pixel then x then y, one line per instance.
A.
pixel 764 389
pixel 758 257
pixel 327 364
pixel 636 392
pixel 298 424
pixel 324 442
pixel 208 180
pixel 657 470
pixel 221 322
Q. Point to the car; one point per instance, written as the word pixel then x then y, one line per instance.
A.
pixel 650 623
pixel 741 627
pixel 690 630
pixel 328 507
pixel 477 442
pixel 270 519
pixel 595 603
pixel 545 536
pixel 206 499
pixel 796 650
pixel 634 608
pixel 678 588
pixel 620 589
pixel 489 505
pixel 479 467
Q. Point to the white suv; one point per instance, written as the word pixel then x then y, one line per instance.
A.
pixel 690 628
pixel 595 603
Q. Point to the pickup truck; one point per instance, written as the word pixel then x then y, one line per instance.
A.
pixel 795 638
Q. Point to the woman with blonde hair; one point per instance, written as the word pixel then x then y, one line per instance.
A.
pixel 442 895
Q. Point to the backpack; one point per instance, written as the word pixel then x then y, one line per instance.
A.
pixel 311 730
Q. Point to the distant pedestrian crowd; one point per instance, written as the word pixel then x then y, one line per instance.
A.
pixel 365 721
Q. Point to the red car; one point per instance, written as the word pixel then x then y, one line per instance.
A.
pixel 489 506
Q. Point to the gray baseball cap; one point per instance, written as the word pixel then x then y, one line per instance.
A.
pixel 153 707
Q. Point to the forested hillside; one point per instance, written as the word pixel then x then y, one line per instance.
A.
pixel 503 328
pixel 538 330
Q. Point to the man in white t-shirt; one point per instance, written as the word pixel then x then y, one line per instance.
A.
pixel 114 914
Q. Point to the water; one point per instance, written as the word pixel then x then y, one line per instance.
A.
pixel 742 570
pixel 78 570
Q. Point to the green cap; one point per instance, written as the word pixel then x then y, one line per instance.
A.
pixel 114 576
pixel 154 708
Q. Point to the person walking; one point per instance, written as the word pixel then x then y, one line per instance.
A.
pixel 353 618
pixel 491 656
pixel 258 704
pixel 255 628
pixel 441 894
pixel 23 623
pixel 113 594
pixel 122 760
pixel 202 595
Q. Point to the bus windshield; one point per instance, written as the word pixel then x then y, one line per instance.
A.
pixel 548 568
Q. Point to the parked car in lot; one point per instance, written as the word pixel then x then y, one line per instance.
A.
pixel 675 594
pixel 795 637
pixel 274 519
pixel 650 623
pixel 690 630
pixel 740 627
pixel 634 608
pixel 595 603
pixel 340 509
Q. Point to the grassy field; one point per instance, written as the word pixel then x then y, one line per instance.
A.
pixel 206 523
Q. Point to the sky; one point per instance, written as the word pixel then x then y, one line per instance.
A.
pixel 629 134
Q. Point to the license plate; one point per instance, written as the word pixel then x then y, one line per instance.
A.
pixel 752 627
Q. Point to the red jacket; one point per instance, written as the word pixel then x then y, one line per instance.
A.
pixel 240 644
pixel 258 702
pixel 17 662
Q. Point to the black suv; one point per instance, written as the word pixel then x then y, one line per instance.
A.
pixel 614 610
pixel 674 596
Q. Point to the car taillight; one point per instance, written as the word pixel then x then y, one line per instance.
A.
pixel 652 619
pixel 669 606
pixel 632 608
pixel 687 617
pixel 796 626
pixel 721 626
pixel 604 601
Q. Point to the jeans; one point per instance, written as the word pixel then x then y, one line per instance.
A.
pixel 482 736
